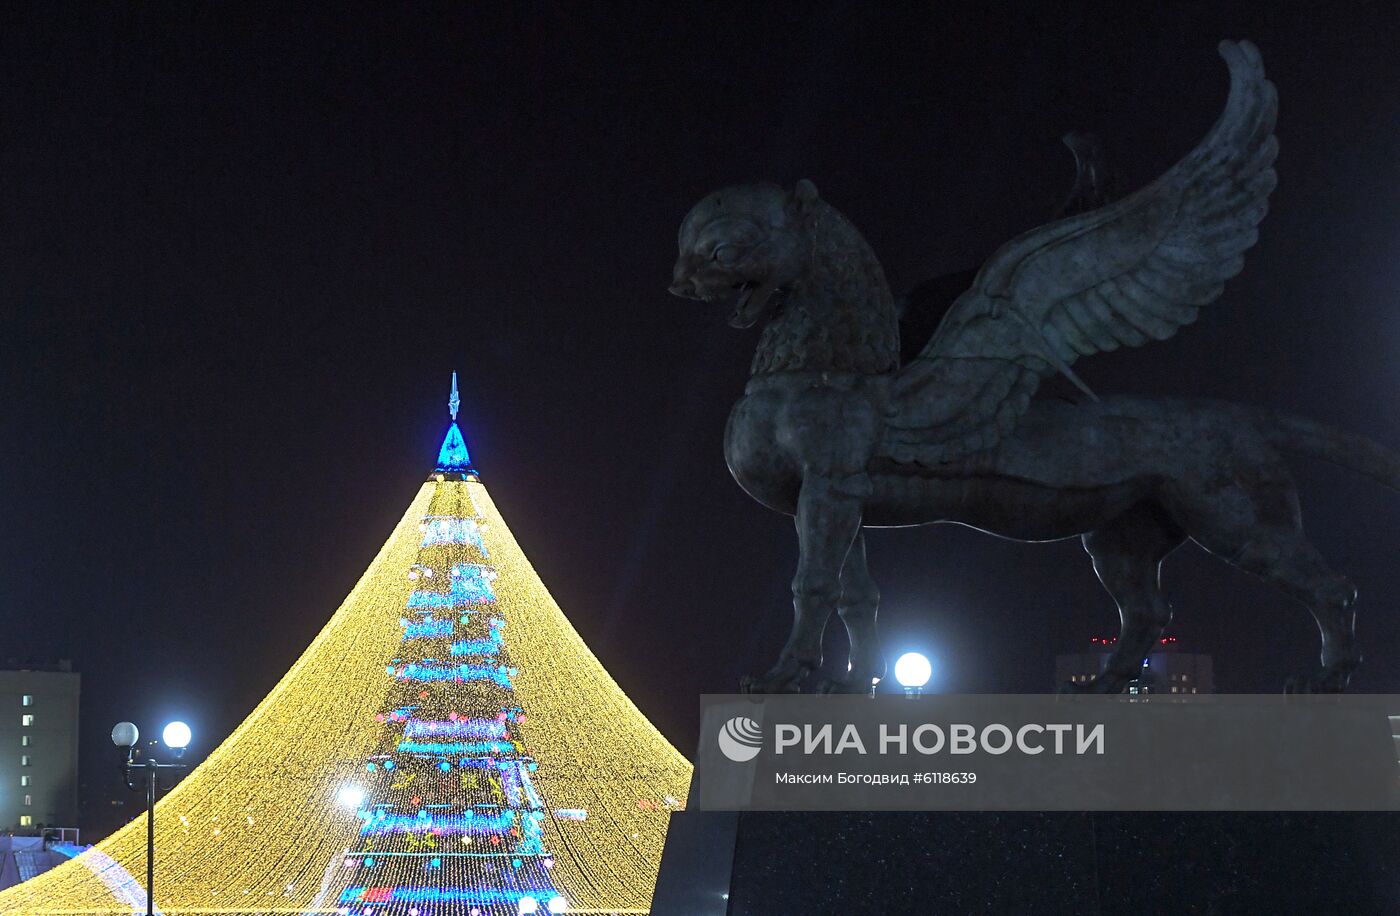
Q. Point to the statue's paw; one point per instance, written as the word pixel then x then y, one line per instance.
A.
pixel 847 685
pixel 767 683
pixel 784 677
pixel 1331 679
pixel 1099 685
pixel 1301 683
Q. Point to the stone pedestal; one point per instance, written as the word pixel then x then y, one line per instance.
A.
pixel 1029 863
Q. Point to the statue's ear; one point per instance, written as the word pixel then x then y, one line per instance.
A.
pixel 803 196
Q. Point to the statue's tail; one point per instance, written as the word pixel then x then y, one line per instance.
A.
pixel 1297 434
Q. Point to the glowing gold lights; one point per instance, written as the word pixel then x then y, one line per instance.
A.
pixel 446 745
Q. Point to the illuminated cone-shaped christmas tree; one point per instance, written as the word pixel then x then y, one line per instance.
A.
pixel 446 745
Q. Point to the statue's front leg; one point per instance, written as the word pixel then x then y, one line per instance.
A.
pixel 828 519
pixel 860 601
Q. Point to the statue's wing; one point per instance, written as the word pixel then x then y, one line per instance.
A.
pixel 1133 271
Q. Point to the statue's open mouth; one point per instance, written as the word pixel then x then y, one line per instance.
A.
pixel 754 299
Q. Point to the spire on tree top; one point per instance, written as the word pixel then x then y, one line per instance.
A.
pixel 453 457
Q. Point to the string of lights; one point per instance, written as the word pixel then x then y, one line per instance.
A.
pixel 446 745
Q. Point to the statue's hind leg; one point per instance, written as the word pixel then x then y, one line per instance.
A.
pixel 1304 574
pixel 1257 526
pixel 1128 553
pixel 1298 570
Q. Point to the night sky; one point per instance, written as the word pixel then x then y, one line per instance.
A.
pixel 242 250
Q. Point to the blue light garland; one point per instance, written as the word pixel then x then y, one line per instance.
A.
pixel 458 728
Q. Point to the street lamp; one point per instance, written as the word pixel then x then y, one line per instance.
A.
pixel 912 670
pixel 177 737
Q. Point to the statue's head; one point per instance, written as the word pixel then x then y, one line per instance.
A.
pixel 751 241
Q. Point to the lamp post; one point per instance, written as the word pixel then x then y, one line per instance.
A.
pixel 176 736
pixel 912 670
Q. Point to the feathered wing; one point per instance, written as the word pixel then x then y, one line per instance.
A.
pixel 1133 271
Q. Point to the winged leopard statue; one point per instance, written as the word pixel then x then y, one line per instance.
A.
pixel 833 430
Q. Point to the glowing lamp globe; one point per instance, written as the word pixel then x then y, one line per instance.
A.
pixel 528 905
pixel 558 904
pixel 176 735
pixel 912 670
pixel 125 734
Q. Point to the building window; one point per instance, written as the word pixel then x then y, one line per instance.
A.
pixel 27 700
pixel 27 719
pixel 28 801
pixel 24 780
pixel 26 820
pixel 26 740
pixel 24 760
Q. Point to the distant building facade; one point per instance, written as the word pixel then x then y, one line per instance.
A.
pixel 1168 670
pixel 39 747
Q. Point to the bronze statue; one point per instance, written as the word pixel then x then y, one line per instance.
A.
pixel 833 430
